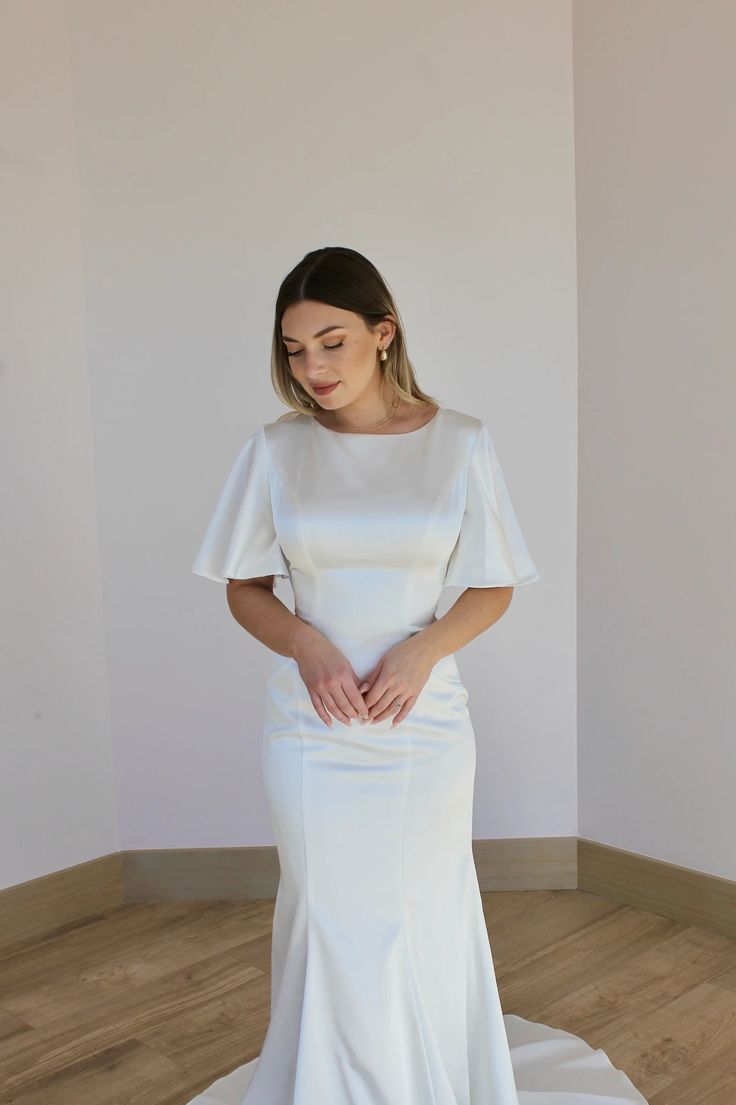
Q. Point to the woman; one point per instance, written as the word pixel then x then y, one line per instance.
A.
pixel 371 498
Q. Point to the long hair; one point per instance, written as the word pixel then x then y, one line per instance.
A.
pixel 342 278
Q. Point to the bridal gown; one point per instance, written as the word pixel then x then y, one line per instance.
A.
pixel 383 989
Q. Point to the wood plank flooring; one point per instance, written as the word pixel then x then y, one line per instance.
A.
pixel 148 1003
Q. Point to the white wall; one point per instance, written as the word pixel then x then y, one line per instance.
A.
pixel 207 150
pixel 655 87
pixel 213 153
pixel 57 783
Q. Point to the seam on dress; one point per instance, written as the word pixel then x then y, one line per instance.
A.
pixel 271 472
pixel 300 535
pixel 405 916
pixel 302 1017
pixel 465 486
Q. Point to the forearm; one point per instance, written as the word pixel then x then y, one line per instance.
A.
pixel 476 609
pixel 264 616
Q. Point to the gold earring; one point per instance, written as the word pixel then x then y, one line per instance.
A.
pixel 384 355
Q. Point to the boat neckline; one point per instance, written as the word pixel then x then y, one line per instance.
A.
pixel 356 433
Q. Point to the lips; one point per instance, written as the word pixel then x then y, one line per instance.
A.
pixel 326 389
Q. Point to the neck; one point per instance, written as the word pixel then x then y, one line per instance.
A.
pixel 368 418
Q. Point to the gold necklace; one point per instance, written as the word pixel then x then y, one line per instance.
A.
pixel 388 417
pixel 375 426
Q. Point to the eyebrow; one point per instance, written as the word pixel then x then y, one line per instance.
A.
pixel 319 333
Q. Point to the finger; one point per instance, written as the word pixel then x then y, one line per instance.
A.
pixel 344 697
pixel 391 710
pixel 366 680
pixel 360 707
pixel 363 691
pixel 375 694
pixel 358 699
pixel 317 703
pixel 334 709
pixel 368 687
pixel 376 699
pixel 385 703
pixel 356 696
pixel 404 711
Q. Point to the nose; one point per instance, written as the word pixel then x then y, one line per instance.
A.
pixel 312 366
pixel 315 374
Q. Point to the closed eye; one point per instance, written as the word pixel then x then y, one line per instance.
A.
pixel 296 352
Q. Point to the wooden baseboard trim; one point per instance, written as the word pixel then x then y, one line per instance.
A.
pixel 185 874
pixel 63 899
pixel 658 886
pixel 60 900
pixel 526 863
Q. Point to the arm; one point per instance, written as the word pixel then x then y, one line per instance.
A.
pixel 476 610
pixel 254 606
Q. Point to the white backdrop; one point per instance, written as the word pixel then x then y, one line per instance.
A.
pixel 167 165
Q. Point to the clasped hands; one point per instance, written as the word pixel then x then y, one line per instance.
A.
pixel 335 689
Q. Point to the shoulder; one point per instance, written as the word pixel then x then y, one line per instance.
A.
pixel 284 427
pixel 465 428
pixel 260 440
pixel 462 420
pixel 284 421
pixel 284 439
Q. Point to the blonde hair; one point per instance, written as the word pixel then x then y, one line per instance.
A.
pixel 343 278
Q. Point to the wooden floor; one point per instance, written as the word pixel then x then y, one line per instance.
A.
pixel 148 1004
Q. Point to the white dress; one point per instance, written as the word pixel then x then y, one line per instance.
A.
pixel 383 990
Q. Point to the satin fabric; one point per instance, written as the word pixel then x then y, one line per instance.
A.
pixel 383 990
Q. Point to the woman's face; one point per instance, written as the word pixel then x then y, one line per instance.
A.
pixel 327 345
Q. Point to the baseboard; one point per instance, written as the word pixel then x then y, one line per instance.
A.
pixel 60 900
pixel 666 888
pixel 186 874
pixel 65 898
pixel 527 863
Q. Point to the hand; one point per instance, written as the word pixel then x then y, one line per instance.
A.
pixel 400 673
pixel 330 680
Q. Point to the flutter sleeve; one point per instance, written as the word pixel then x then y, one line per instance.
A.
pixel 240 541
pixel 490 550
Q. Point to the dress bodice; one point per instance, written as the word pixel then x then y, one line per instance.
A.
pixel 369 528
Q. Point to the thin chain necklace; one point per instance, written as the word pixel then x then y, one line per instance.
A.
pixel 388 417
pixel 375 425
